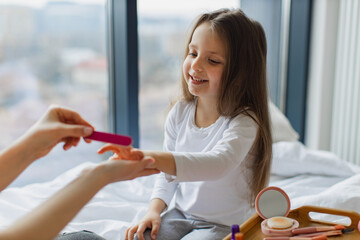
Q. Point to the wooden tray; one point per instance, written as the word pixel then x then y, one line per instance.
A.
pixel 252 230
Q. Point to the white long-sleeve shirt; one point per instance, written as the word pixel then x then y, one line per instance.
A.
pixel 210 182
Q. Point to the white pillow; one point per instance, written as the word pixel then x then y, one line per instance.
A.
pixel 293 158
pixel 280 126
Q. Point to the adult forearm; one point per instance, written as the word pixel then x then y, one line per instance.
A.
pixel 47 220
pixel 13 161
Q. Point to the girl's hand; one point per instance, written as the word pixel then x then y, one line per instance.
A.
pixel 57 125
pixel 122 152
pixel 150 220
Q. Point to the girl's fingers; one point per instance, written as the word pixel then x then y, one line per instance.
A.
pixel 113 148
pixel 136 154
pixel 126 234
pixel 122 151
pixel 127 153
pixel 131 232
pixel 140 231
pixel 155 229
pixel 108 147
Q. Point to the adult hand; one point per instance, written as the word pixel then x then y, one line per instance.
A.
pixel 57 125
pixel 115 170
pixel 46 221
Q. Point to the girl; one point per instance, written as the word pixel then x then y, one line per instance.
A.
pixel 217 137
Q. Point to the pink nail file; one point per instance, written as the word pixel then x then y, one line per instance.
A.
pixel 110 138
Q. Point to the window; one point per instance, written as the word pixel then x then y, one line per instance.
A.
pixel 52 52
pixel 56 52
pixel 287 27
pixel 162 27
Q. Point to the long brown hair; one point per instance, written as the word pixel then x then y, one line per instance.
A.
pixel 243 87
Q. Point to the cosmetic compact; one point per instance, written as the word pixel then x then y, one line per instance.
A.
pixel 273 205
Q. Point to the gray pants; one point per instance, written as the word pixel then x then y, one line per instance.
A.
pixel 82 235
pixel 175 226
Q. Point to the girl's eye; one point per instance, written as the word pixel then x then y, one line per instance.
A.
pixel 192 54
pixel 213 61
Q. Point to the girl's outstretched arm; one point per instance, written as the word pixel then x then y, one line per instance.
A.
pixel 47 220
pixel 163 161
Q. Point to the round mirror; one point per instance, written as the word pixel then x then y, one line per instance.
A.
pixel 272 202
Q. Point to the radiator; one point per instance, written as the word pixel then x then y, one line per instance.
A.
pixel 345 127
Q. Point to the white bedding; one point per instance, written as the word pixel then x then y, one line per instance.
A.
pixel 308 177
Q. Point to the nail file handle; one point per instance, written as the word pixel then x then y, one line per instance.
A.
pixel 110 138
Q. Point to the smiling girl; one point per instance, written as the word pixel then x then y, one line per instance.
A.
pixel 217 137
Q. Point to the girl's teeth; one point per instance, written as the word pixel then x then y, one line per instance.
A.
pixel 198 80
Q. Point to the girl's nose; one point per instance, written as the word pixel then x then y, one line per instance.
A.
pixel 197 65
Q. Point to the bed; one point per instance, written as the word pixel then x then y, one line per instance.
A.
pixel 309 178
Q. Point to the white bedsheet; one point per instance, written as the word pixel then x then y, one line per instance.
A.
pixel 308 177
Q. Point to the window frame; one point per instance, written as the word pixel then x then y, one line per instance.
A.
pixel 298 64
pixel 123 68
